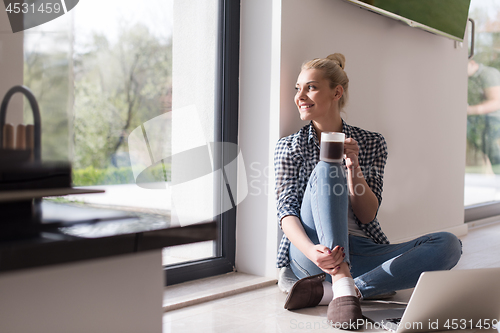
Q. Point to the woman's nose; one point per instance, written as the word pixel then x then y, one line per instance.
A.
pixel 301 94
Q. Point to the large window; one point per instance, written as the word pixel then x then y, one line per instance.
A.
pixel 482 178
pixel 140 97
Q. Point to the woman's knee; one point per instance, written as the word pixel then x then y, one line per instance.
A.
pixel 328 179
pixel 450 248
pixel 329 171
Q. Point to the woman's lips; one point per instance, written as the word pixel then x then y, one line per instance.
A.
pixel 306 106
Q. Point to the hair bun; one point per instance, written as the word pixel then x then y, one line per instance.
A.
pixel 338 58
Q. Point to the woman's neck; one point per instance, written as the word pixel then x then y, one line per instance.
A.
pixel 328 125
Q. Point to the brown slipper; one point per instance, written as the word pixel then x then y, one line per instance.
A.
pixel 306 292
pixel 345 313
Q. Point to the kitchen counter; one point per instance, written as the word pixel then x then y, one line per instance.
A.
pixel 71 233
pixel 89 270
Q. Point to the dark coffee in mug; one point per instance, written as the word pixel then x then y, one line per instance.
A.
pixel 332 147
pixel 331 150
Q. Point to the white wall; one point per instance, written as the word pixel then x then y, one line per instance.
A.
pixel 256 224
pixel 116 294
pixel 405 83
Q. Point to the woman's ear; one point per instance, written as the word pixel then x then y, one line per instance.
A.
pixel 338 92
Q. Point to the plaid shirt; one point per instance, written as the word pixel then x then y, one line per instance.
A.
pixel 296 156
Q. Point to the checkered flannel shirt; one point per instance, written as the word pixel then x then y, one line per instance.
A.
pixel 296 156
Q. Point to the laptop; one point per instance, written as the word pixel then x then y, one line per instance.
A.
pixel 445 300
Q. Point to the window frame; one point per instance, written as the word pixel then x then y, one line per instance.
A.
pixel 481 211
pixel 226 130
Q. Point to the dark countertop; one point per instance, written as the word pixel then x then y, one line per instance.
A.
pixel 73 233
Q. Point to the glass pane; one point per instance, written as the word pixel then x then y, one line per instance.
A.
pixel 482 173
pixel 124 92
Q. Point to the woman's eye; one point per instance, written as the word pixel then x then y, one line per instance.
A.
pixel 297 89
pixel 311 87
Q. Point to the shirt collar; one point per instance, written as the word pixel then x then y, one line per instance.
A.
pixel 346 129
pixel 312 135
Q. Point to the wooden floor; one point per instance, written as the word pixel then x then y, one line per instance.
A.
pixel 481 247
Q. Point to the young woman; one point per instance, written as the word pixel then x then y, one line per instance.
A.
pixel 327 211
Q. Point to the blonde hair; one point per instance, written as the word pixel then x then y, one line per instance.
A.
pixel 333 68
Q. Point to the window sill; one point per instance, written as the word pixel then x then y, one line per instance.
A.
pixel 212 288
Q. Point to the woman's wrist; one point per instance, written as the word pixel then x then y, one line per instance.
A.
pixel 354 166
pixel 354 162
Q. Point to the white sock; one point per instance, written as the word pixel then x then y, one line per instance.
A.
pixel 344 287
pixel 327 293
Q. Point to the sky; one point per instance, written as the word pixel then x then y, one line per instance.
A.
pixel 104 17
pixel 484 3
pixel 493 6
pixel 99 15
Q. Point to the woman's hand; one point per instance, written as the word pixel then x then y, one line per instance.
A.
pixel 364 203
pixel 351 150
pixel 327 260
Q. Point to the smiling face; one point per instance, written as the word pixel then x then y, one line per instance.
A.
pixel 315 99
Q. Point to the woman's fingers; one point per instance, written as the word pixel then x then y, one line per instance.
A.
pixel 338 255
pixel 329 261
pixel 351 145
pixel 323 249
pixel 335 270
pixel 331 271
pixel 351 150
pixel 350 141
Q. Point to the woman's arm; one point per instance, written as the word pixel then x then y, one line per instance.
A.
pixel 491 104
pixel 364 203
pixel 326 259
pixel 294 231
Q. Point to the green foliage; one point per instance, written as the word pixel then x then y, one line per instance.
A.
pixel 119 87
pixel 46 73
pixel 476 127
pixel 111 176
pixel 480 169
pixel 92 176
pixel 64 200
pixel 487 41
pixel 92 96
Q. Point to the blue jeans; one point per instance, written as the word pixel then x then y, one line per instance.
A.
pixel 376 268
